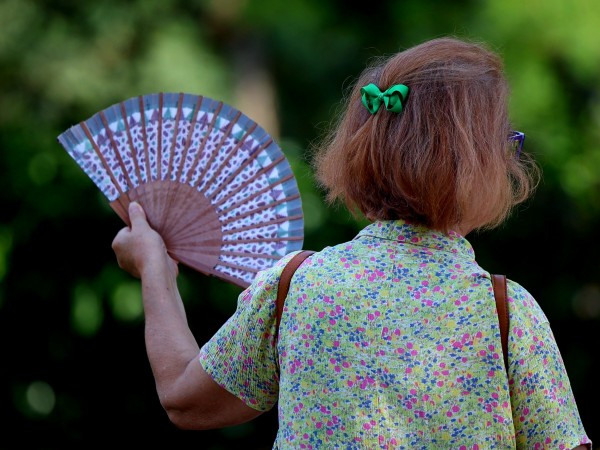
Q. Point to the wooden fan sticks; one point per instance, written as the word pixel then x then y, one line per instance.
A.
pixel 192 228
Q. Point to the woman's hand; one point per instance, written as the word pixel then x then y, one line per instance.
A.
pixel 139 248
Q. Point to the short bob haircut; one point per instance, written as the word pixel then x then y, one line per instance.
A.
pixel 445 161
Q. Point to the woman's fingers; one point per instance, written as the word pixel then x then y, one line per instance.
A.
pixel 136 245
pixel 139 245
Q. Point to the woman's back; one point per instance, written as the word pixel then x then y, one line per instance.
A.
pixel 392 341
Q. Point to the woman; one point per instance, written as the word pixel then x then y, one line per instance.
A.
pixel 390 340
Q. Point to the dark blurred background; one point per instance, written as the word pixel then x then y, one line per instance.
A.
pixel 74 371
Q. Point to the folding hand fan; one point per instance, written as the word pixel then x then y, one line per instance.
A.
pixel 213 183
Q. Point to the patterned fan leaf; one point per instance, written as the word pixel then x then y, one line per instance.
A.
pixel 213 183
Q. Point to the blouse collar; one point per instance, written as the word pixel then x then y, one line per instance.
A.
pixel 419 235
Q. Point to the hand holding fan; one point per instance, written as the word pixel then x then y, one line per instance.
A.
pixel 213 183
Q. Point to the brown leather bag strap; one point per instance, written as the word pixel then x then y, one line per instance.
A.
pixel 500 292
pixel 286 278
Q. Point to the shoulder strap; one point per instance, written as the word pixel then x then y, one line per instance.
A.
pixel 499 284
pixel 286 278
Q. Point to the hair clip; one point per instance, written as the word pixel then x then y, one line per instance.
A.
pixel 393 98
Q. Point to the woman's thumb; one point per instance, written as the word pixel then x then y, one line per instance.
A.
pixel 137 216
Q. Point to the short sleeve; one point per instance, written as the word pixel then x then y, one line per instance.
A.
pixel 545 413
pixel 242 356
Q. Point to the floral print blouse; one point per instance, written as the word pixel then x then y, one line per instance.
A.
pixel 392 341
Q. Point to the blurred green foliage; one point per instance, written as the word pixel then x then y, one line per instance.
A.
pixel 75 370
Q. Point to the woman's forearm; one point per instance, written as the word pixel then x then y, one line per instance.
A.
pixel 170 344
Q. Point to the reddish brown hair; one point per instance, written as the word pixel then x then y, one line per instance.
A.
pixel 445 160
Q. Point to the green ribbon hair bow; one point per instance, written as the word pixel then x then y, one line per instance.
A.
pixel 392 98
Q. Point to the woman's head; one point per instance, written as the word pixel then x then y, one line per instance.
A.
pixel 445 160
